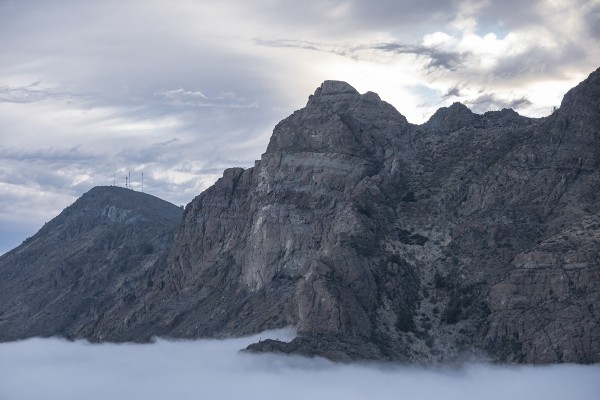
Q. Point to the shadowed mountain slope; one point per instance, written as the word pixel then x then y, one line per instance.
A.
pixel 467 236
pixel 61 280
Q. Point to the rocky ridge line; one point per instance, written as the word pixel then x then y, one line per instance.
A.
pixel 467 236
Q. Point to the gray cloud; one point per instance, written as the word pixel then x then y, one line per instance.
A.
pixel 400 14
pixel 592 21
pixel 182 97
pixel 75 153
pixel 29 93
pixel 491 102
pixel 339 19
pixel 452 92
pixel 436 58
pixel 55 369
pixel 538 62
pixel 509 14
pixel 181 90
pixel 297 44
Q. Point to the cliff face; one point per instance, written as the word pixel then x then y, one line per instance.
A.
pixel 469 235
pixel 83 262
pixel 545 309
pixel 380 239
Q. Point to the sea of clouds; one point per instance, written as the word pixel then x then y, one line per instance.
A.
pixel 215 369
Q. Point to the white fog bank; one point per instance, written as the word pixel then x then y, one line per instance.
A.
pixel 214 369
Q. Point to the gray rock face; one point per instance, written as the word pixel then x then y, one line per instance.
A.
pixel 546 309
pixel 379 239
pixel 62 280
pixel 333 92
pixel 468 236
pixel 453 118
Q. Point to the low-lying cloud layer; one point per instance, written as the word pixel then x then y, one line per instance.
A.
pixel 181 90
pixel 54 369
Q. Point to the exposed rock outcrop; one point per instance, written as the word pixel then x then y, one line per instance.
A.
pixel 450 119
pixel 468 236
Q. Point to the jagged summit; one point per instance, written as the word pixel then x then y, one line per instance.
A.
pixel 333 91
pixel 451 118
pixel 585 96
pixel 338 120
pixel 579 113
pixel 371 97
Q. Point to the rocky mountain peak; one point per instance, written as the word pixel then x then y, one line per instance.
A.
pixel 333 92
pixel 451 118
pixel 111 204
pixel 338 120
pixel 584 96
pixel 371 97
pixel 578 117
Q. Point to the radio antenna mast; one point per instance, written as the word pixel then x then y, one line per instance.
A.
pixel 126 182
pixel 130 180
pixel 142 182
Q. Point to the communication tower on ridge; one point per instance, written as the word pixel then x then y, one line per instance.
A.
pixel 128 183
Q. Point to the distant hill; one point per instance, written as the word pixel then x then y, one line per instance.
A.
pixel 60 281
pixel 468 236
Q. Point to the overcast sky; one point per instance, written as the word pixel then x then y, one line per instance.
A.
pixel 180 90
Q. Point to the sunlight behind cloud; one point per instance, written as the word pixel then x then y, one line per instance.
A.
pixel 389 80
pixel 546 95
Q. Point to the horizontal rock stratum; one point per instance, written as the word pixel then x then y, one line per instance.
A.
pixel 468 236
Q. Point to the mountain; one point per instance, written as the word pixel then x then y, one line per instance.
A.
pixel 468 236
pixel 82 262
